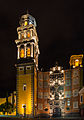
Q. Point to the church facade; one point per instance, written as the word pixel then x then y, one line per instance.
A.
pixel 54 93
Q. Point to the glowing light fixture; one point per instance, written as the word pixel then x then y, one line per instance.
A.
pixel 51 72
pixel 62 71
pixel 73 66
pixel 59 68
pixel 53 68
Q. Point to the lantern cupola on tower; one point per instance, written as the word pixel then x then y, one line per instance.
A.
pixel 76 61
pixel 27 42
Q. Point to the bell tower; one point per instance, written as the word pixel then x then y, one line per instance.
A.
pixel 27 66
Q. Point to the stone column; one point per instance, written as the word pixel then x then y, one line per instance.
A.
pixel 31 49
pixel 18 54
pixel 25 50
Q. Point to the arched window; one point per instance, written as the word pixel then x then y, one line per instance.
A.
pixel 22 36
pixel 28 51
pixel 22 53
pixel 28 34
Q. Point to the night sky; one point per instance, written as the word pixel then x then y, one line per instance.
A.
pixel 60 28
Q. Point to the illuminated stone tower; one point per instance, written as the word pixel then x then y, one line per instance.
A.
pixel 76 64
pixel 27 66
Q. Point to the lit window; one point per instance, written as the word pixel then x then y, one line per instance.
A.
pixel 45 84
pixel 75 104
pixel 28 34
pixel 81 98
pixel 22 53
pixel 25 23
pixel 75 81
pixel 28 52
pixel 76 62
pixel 24 87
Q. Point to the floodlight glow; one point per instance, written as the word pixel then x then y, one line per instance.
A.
pixel 59 68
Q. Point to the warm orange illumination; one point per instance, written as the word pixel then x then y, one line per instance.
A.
pixel 28 52
pixel 22 53
pixel 25 23
pixel 28 34
pixel 76 62
pixel 26 99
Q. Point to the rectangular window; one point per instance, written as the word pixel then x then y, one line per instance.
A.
pixel 75 104
pixel 45 84
pixel 46 76
pixel 22 53
pixel 21 68
pixel 28 52
pixel 24 87
pixel 40 95
pixel 75 73
pixel 75 92
pixel 45 95
pixel 40 76
pixel 40 106
pixel 81 98
pixel 75 81
pixel 28 67
pixel 40 84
